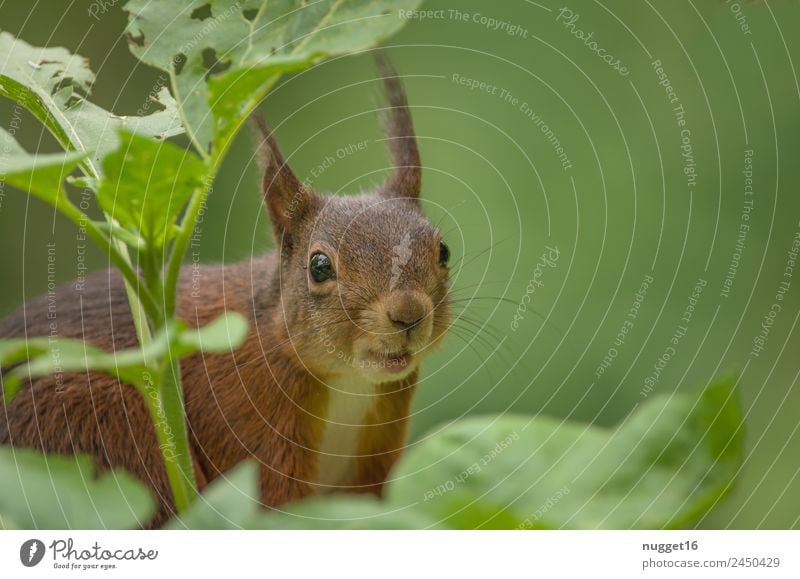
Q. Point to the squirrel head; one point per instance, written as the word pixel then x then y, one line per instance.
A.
pixel 363 279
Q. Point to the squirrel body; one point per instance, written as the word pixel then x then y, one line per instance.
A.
pixel 320 392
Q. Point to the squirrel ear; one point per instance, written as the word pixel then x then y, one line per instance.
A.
pixel 286 197
pixel 406 178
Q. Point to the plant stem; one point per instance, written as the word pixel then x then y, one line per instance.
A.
pixel 119 254
pixel 169 417
pixel 180 245
pixel 199 196
pixel 167 412
pixel 134 300
pixel 174 410
pixel 139 296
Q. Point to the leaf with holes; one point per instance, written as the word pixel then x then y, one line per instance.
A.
pixel 42 175
pixel 54 84
pixel 664 467
pixel 241 47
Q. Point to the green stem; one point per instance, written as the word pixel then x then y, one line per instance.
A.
pixel 139 296
pixel 199 196
pixel 180 246
pixel 171 427
pixel 137 299
pixel 167 412
pixel 138 311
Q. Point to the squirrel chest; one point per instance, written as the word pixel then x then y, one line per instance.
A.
pixel 350 402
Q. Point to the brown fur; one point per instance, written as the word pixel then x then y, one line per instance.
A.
pixel 269 398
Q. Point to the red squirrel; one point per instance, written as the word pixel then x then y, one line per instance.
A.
pixel 341 314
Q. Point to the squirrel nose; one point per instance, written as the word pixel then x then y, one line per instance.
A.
pixel 406 310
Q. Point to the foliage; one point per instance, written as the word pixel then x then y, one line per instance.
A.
pixel 65 492
pixel 675 456
pixel 231 502
pixel 223 63
pixel 663 467
pixel 129 366
pixel 53 85
pixel 147 186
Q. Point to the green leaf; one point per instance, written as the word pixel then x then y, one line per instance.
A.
pixel 243 46
pixel 132 366
pixel 229 502
pixel 47 356
pixel 65 492
pixel 232 502
pixel 131 239
pixel 42 175
pixel 223 334
pixel 54 85
pixel 671 461
pixel 344 512
pixel 147 184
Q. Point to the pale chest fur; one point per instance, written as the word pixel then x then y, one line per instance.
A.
pixel 350 402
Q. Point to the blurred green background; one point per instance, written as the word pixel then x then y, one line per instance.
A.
pixel 622 210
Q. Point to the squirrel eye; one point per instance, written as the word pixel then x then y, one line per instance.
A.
pixel 321 268
pixel 444 254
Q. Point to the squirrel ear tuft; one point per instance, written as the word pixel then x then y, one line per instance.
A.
pixel 286 197
pixel 406 178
